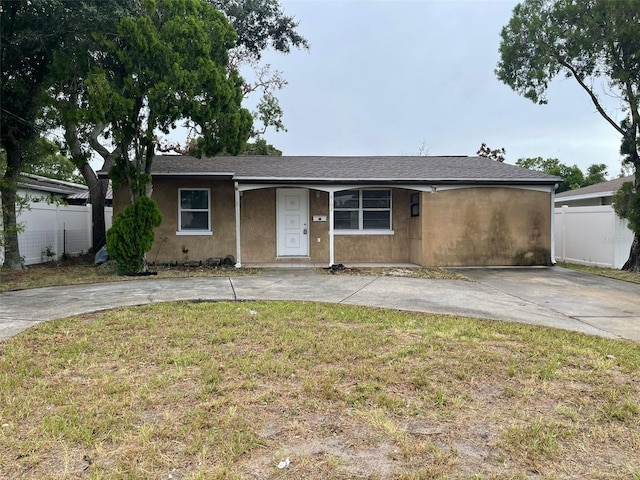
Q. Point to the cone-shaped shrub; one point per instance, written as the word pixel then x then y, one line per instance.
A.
pixel 132 234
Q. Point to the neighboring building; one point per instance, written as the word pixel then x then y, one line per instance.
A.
pixel 56 221
pixel 38 188
pixel 593 195
pixel 450 211
pixel 587 229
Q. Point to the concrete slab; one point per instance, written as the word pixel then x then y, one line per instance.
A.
pixel 552 297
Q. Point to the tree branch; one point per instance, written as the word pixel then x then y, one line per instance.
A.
pixel 106 155
pixel 594 98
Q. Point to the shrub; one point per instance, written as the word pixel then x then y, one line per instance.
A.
pixel 131 235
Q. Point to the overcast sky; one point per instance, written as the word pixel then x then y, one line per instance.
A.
pixel 384 77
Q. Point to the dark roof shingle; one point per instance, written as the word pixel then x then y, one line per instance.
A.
pixel 354 169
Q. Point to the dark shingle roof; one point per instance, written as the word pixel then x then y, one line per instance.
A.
pixel 598 188
pixel 350 169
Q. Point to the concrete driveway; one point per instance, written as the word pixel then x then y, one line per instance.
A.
pixel 554 297
pixel 604 303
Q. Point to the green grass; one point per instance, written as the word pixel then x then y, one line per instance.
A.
pixel 228 390
pixel 633 277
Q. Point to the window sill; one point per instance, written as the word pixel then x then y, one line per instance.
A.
pixel 363 232
pixel 195 232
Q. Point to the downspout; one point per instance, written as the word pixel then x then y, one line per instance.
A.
pixel 553 223
pixel 331 249
pixel 238 246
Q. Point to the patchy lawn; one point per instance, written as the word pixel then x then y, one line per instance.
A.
pixel 235 390
pixel 633 277
pixel 81 270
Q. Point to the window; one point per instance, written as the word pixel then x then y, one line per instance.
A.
pixel 415 204
pixel 362 210
pixel 194 211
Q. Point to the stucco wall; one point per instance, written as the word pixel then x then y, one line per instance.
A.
pixel 487 226
pixel 258 220
pixel 464 226
pixel 392 248
pixel 169 247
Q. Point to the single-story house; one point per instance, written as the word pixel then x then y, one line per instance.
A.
pixel 445 210
pixel 587 230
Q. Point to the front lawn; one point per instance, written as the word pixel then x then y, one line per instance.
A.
pixel 233 390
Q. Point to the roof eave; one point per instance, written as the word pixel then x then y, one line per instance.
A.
pixel 404 181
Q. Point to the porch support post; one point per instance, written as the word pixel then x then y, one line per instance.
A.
pixel 331 249
pixel 553 228
pixel 238 246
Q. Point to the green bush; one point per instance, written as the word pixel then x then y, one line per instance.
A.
pixel 132 234
pixel 626 203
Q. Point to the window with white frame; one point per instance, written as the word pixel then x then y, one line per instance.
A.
pixel 194 210
pixel 362 210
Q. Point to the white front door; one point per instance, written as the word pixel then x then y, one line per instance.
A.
pixel 292 205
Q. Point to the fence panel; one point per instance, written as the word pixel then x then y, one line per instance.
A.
pixel 591 236
pixel 53 230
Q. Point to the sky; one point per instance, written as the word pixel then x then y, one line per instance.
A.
pixel 396 77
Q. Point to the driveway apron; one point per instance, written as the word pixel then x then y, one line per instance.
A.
pixel 553 297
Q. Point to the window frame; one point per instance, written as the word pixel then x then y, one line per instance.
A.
pixel 415 204
pixel 360 209
pixel 194 231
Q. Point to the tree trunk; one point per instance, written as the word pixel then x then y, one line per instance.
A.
pixel 97 196
pixel 97 187
pixel 633 262
pixel 8 189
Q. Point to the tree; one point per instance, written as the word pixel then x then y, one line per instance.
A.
pixel 167 65
pixel 572 177
pixel 31 32
pixel 497 154
pixel 68 107
pixel 260 147
pixel 43 157
pixel 260 24
pixel 596 173
pixel 595 42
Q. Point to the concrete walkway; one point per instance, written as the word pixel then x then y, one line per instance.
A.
pixel 554 297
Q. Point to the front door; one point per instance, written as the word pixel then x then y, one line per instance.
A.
pixel 293 222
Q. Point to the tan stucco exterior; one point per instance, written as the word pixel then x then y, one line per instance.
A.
pixel 486 226
pixel 456 226
pixel 169 246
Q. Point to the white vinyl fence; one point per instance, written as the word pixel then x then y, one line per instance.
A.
pixel 591 236
pixel 51 231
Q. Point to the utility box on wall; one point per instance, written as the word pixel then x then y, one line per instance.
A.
pixel 319 218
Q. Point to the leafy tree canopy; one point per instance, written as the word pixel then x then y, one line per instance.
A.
pixel 30 32
pixel 260 147
pixel 572 176
pixel 166 65
pixel 43 157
